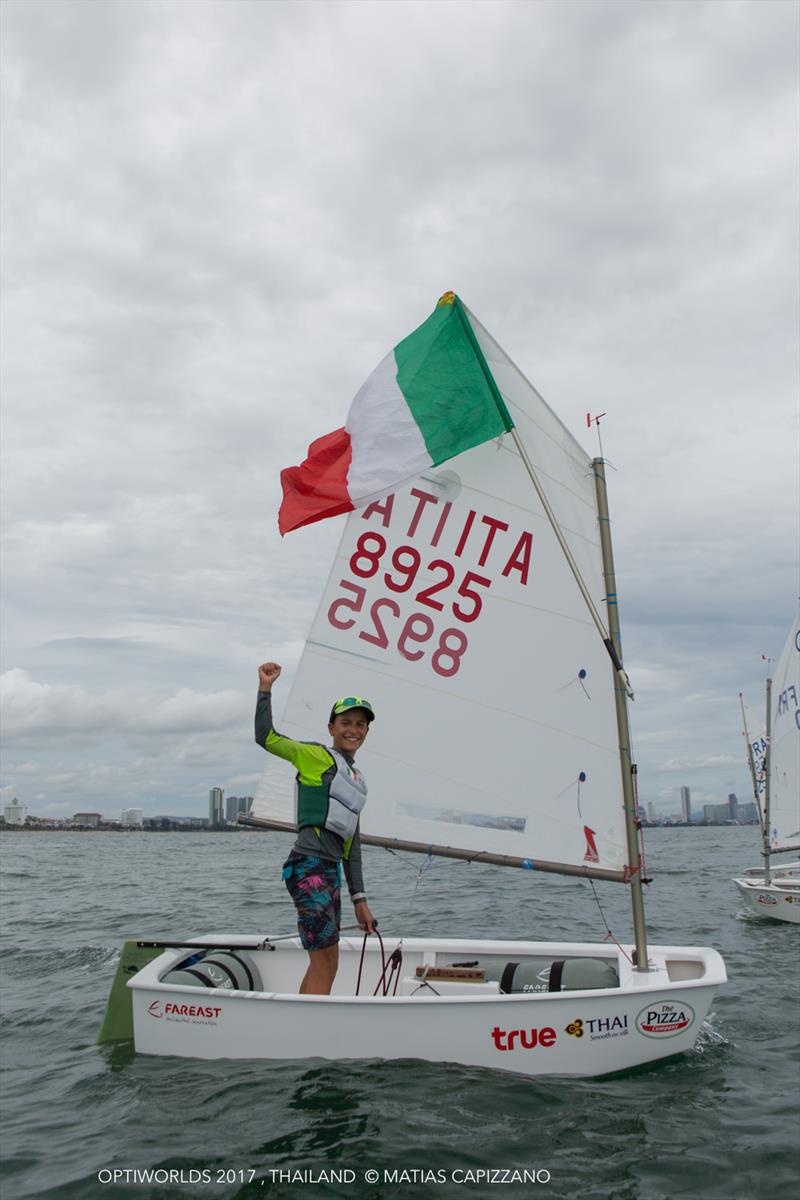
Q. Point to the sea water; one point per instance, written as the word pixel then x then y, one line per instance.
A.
pixel 81 1121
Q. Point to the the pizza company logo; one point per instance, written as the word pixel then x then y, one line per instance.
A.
pixel 598 1028
pixel 765 898
pixel 665 1018
pixel 196 1013
pixel 529 1039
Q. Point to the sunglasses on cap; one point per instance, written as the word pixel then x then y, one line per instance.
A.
pixel 353 702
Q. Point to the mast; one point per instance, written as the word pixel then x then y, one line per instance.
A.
pixel 623 727
pixel 767 756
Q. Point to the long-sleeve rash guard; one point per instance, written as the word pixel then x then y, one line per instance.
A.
pixel 315 765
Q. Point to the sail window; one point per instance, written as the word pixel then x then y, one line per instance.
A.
pixel 454 816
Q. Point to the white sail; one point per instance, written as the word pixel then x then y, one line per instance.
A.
pixel 451 607
pixel 784 754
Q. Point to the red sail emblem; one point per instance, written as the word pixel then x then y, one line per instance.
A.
pixel 591 854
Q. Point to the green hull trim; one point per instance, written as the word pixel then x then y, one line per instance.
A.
pixel 118 1022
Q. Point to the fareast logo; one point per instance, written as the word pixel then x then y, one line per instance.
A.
pixel 203 1014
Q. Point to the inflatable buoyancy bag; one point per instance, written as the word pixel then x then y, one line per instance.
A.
pixel 231 969
pixel 554 975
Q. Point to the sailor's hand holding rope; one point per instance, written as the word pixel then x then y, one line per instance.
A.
pixel 364 917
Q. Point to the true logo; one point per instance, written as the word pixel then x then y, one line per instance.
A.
pixel 529 1039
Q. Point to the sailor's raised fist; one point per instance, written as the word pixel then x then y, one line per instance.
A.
pixel 268 672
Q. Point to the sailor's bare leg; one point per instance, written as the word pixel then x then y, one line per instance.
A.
pixel 322 967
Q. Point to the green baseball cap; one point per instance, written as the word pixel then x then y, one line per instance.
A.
pixel 348 702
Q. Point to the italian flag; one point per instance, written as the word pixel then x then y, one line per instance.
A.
pixel 430 399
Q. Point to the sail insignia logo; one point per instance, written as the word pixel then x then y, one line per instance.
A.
pixel 665 1018
pixel 591 854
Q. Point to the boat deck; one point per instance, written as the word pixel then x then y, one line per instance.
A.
pixel 431 970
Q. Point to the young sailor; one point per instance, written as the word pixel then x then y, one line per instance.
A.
pixel 330 795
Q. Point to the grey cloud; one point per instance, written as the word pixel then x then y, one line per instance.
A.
pixel 217 227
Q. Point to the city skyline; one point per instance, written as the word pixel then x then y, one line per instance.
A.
pixel 224 810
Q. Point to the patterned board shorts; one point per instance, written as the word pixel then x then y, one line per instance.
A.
pixel 314 885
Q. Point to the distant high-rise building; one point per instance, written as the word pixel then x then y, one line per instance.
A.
pixel 15 813
pixel 733 806
pixel 131 816
pixel 215 806
pixel 651 812
pixel 236 806
pixel 686 805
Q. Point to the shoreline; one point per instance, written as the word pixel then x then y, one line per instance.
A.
pixel 179 828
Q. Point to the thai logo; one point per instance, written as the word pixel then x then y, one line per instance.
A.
pixel 765 898
pixel 665 1018
pixel 154 1009
pixel 598 1028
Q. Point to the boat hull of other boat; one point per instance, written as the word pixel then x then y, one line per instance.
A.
pixel 778 900
pixel 589 1030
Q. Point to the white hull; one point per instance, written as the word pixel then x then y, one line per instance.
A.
pixel 651 1015
pixel 779 899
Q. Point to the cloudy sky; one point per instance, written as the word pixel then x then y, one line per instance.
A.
pixel 219 216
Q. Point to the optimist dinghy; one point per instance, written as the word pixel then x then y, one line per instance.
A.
pixel 533 1008
pixel 466 603
pixel 774 890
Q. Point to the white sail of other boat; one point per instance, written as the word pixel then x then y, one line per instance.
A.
pixel 451 607
pixel 774 891
pixel 784 747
